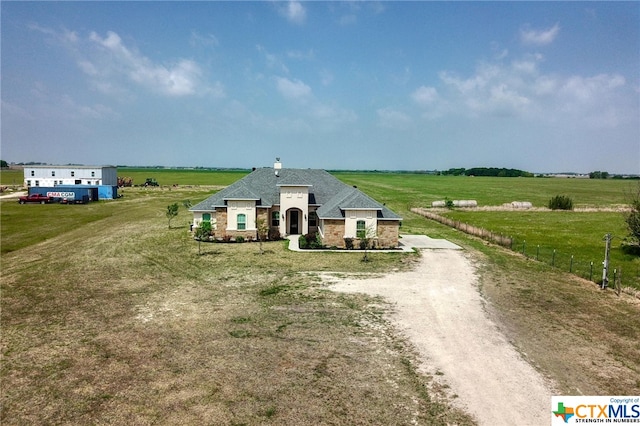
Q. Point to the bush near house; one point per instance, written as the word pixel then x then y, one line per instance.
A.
pixel 310 241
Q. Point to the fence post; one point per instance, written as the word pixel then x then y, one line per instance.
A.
pixel 553 258
pixel 591 272
pixel 524 246
pixel 571 265
pixel 538 252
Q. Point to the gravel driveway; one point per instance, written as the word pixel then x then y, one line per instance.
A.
pixel 439 308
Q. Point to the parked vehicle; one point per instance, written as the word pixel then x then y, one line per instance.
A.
pixel 151 182
pixel 35 198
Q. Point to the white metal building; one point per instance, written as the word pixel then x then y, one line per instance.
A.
pixel 70 175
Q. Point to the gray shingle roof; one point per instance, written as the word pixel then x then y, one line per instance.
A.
pixel 325 190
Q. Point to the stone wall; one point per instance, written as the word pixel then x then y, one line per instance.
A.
pixel 387 237
pixel 333 233
pixel 388 231
pixel 221 222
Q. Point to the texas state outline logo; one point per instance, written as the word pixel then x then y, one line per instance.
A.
pixel 577 410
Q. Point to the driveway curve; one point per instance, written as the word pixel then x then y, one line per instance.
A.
pixel 440 310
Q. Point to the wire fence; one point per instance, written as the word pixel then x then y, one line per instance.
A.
pixel 590 269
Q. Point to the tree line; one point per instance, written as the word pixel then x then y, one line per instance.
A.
pixel 487 171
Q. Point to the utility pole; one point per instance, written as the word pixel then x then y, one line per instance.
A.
pixel 605 264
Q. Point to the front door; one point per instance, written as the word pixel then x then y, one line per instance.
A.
pixel 293 222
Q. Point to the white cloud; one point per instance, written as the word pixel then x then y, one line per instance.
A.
pixel 520 89
pixel 112 66
pixel 294 12
pixel 591 88
pixel 539 37
pixel 292 89
pixel 182 78
pixel 425 95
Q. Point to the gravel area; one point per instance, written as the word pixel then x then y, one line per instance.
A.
pixel 440 310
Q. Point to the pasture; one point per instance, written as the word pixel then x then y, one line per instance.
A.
pixel 109 316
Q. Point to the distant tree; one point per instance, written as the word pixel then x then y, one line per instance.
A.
pixel 3 164
pixel 599 175
pixel 172 212
pixel 632 217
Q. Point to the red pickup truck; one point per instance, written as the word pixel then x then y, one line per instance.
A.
pixel 35 198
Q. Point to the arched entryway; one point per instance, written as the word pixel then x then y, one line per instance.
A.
pixel 294 222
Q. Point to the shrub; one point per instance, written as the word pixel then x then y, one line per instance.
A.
pixel 240 239
pixel 226 238
pixel 274 234
pixel 348 243
pixel 448 203
pixel 311 240
pixel 561 202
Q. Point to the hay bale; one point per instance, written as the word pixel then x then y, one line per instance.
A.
pixel 438 204
pixel 521 204
pixel 465 203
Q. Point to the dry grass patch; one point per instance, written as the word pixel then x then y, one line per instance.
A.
pixel 127 324
pixel 585 339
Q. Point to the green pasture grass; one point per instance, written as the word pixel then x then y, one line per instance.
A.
pixel 401 191
pixel 579 234
pixel 11 177
pixel 182 176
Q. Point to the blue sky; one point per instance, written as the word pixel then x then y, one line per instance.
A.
pixel 539 86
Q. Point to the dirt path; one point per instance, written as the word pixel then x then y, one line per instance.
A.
pixel 440 310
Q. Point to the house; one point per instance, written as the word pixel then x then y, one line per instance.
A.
pixel 100 182
pixel 298 201
pixel 70 175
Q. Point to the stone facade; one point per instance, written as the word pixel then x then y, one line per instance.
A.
pixel 388 231
pixel 387 234
pixel 333 233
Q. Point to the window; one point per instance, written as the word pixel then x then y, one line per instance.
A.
pixel 242 222
pixel 37 183
pixel 53 172
pixel 73 174
pixel 33 173
pixel 275 218
pixel 28 183
pixel 206 217
pixel 313 219
pixel 361 229
pixel 93 174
